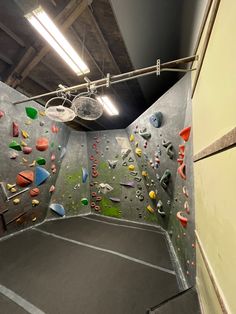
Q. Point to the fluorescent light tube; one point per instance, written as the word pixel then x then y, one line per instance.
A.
pixel 108 105
pixel 49 31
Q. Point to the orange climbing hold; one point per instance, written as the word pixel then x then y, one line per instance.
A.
pixel 181 171
pixel 185 133
pixel 182 219
pixel 42 144
pixel 25 178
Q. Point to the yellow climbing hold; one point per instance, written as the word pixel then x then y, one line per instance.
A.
pixel 152 195
pixel 34 219
pixel 42 113
pixel 131 138
pixel 150 209
pixel 23 144
pixel 138 151
pixel 16 201
pixel 28 122
pixel 33 164
pixel 10 186
pixel 13 190
pixel 24 134
pixel 131 167
pixel 144 173
pixel 35 202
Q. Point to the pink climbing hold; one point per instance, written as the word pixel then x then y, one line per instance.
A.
pixel 52 189
pixel 181 171
pixel 185 133
pixel 183 220
pixel 1 114
pixel 186 207
pixel 53 157
pixel 55 129
pixel 15 129
pixel 27 150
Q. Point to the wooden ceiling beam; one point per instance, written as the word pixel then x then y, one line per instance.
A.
pixel 10 33
pixel 66 17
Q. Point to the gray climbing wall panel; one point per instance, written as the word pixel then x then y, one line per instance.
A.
pixel 122 201
pixel 156 158
pixel 24 214
pixel 69 186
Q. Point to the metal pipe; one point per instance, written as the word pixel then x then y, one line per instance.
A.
pixel 118 78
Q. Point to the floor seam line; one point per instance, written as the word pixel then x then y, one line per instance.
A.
pixel 127 257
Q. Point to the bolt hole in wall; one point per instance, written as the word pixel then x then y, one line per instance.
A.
pixel 142 173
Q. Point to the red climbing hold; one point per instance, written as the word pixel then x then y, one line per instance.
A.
pixel 182 219
pixel 182 149
pixel 25 178
pixel 27 150
pixel 55 129
pixel 180 161
pixel 15 129
pixel 185 133
pixel 94 194
pixel 97 208
pixel 91 157
pixel 98 198
pixel 181 171
pixel 94 174
pixel 42 144
pixel 1 114
pixel 34 192
pixel 92 204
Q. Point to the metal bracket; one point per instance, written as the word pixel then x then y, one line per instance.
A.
pixel 158 67
pixel 108 82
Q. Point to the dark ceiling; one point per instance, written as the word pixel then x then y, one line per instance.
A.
pixel 113 37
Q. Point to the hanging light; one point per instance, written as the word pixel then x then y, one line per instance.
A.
pixel 49 31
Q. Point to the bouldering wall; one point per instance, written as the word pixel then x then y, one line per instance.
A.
pixel 72 192
pixel 31 147
pixel 165 163
pixel 116 186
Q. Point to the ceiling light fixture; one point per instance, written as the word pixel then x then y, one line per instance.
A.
pixel 108 105
pixel 49 31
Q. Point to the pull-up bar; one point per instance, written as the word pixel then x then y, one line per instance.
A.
pixel 114 79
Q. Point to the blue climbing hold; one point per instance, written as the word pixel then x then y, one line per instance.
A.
pixel 58 209
pixel 41 175
pixel 84 175
pixel 156 119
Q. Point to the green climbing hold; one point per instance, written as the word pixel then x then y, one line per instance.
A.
pixel 84 201
pixel 52 145
pixel 31 112
pixel 15 145
pixel 41 161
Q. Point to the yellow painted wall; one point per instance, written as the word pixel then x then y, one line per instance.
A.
pixel 214 114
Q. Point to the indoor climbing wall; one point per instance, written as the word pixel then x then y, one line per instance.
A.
pixel 161 141
pixel 116 186
pixel 72 186
pixel 31 150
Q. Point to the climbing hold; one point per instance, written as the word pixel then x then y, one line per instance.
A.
pixel 13 190
pixel 182 219
pixel 150 209
pixel 181 171
pixel 182 149
pixel 141 197
pixel 34 192
pixel 16 201
pixel 124 163
pixel 63 152
pixel 125 153
pixel 53 157
pixel 27 150
pixel 15 129
pixel 10 186
pixel 32 164
pixel 185 191
pixel 165 143
pixel 13 155
pixel 131 167
pixel 169 151
pixel 133 173
pixel 84 174
pixel 138 151
pixel 165 179
pixel 180 161
pixel 129 184
pixel 84 201
pixel 131 138
pixel 55 129
pixel 15 145
pixel 24 134
pixel 41 175
pixel 160 208
pixel 105 188
pixel 185 133
pixel 42 113
pixel 98 198
pixel 138 179
pixel 156 119
pixel 94 174
pixel 58 209
pixel 94 194
pixel 31 112
pixel 42 144
pixel 25 178
pixel 52 189
pixel 23 144
pixel 92 204
pixel 41 123
pixel 112 163
pixel 152 195
pixel 97 208
pixel 41 161
pixel 186 207
pixel 1 114
pixel 146 135
pixel 144 173
pixel 35 202
pixel 114 199
pixel 130 159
